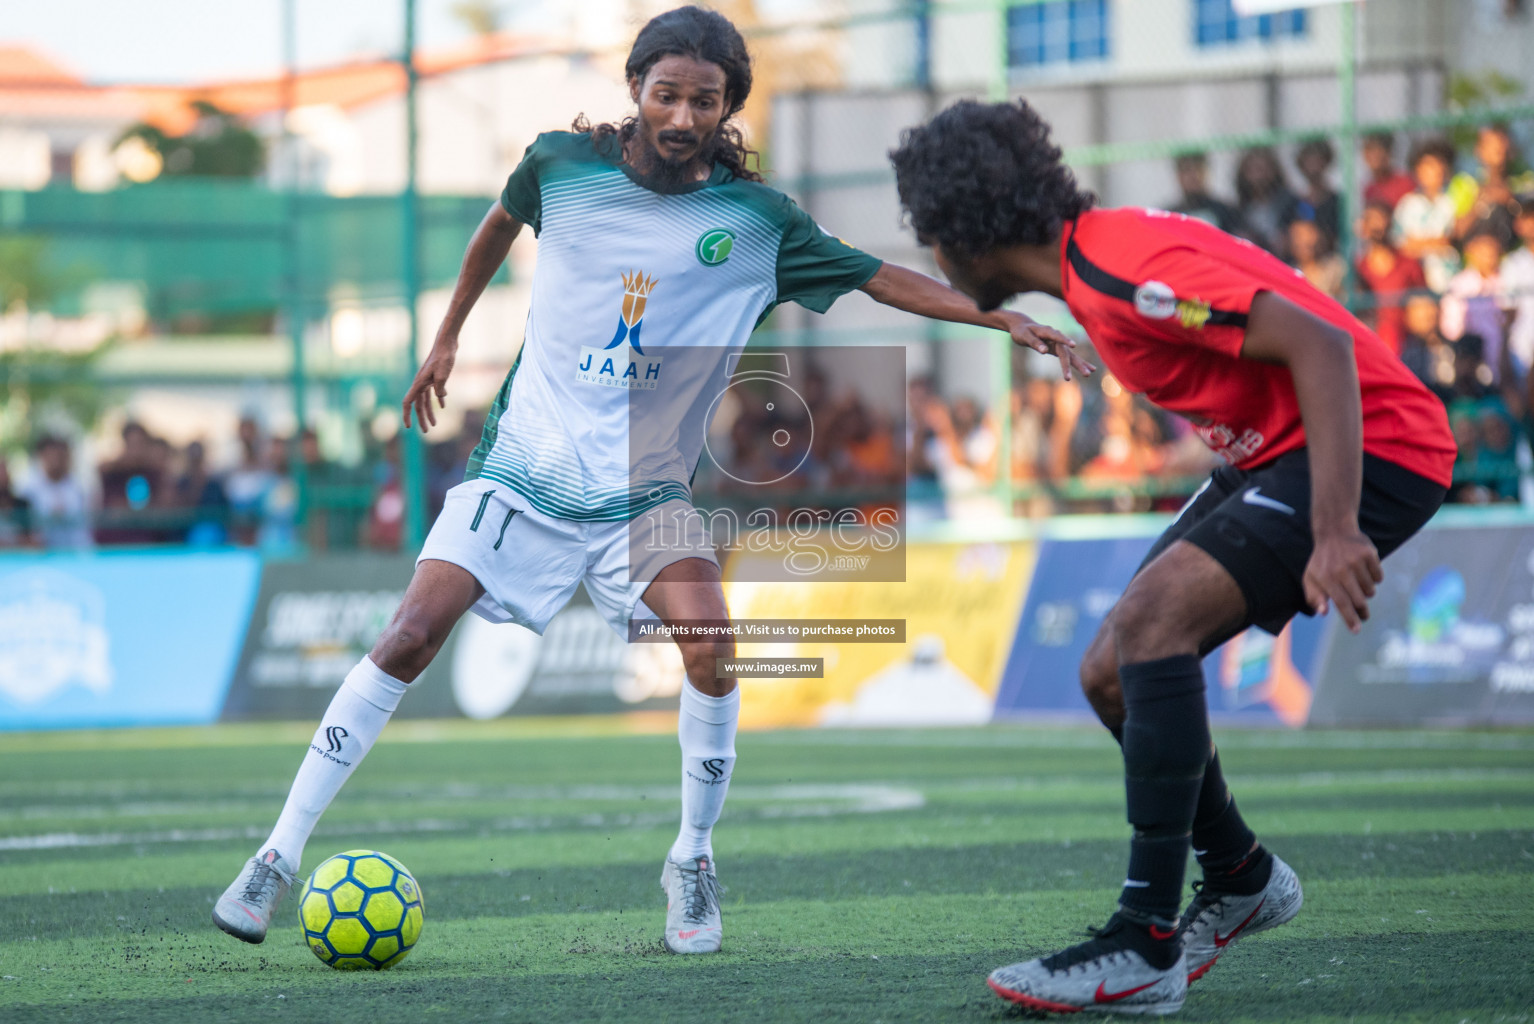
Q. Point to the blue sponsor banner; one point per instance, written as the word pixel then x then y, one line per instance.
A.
pixel 1450 636
pixel 1256 678
pixel 129 638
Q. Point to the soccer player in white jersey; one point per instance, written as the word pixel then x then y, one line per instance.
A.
pixel 653 236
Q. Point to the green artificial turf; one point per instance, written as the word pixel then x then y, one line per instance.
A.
pixel 871 876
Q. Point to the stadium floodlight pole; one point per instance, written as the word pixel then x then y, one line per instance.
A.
pixel 1001 416
pixel 921 21
pixel 293 283
pixel 1347 83
pixel 1001 69
pixel 413 475
pixel 998 348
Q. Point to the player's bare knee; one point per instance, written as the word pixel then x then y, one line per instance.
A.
pixel 1099 666
pixel 702 663
pixel 406 646
pixel 1100 680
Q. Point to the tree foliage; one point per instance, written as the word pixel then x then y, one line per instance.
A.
pixel 1477 92
pixel 219 145
pixel 41 388
pixel 24 279
pixel 482 17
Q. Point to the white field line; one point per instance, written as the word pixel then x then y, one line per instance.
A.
pixel 1365 777
pixel 1089 738
pixel 875 794
pixel 1390 776
pixel 777 802
pixel 807 800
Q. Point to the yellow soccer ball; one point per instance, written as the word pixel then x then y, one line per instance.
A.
pixel 361 910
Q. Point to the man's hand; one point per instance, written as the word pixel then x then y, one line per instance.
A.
pixel 1344 566
pixel 432 377
pixel 487 251
pixel 1343 570
pixel 916 293
pixel 1046 340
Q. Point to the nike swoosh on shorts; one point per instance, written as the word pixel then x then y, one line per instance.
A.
pixel 1254 496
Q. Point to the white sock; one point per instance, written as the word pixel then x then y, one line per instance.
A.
pixel 706 729
pixel 357 714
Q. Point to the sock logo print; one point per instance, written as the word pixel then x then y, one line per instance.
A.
pixel 715 766
pixel 333 737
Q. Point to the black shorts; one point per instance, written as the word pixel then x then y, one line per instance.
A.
pixel 1256 523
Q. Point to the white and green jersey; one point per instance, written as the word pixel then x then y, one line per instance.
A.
pixel 602 416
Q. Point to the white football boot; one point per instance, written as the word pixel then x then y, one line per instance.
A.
pixel 692 906
pixel 245 908
pixel 1104 974
pixel 1216 919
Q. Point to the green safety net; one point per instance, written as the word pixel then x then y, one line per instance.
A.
pixel 218 248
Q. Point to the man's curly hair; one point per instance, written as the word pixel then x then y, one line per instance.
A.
pixel 980 176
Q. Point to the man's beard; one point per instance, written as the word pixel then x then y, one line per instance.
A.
pixel 665 174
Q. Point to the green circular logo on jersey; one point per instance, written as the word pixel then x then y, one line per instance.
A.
pixel 714 247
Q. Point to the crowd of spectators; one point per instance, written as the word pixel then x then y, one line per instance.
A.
pixel 1072 446
pixel 1443 270
pixel 152 492
pixel 829 448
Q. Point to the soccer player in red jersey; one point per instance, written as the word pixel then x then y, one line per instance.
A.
pixel 1336 455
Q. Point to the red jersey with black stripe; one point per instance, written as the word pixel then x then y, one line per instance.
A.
pixel 1164 299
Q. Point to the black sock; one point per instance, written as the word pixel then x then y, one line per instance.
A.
pixel 1166 752
pixel 1226 848
pixel 1158 945
pixel 1153 885
pixel 1249 877
pixel 1118 733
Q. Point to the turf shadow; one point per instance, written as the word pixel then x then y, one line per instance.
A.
pixel 986 868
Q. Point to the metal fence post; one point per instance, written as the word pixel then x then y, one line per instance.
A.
pixel 1002 68
pixel 294 278
pixel 1347 77
pixel 413 470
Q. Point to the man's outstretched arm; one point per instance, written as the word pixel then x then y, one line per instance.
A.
pixel 917 293
pixel 1344 566
pixel 487 251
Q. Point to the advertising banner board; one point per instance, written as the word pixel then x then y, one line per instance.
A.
pixel 122 638
pixel 1256 678
pixel 579 666
pixel 960 606
pixel 313 620
pixel 1450 637
pixel 992 629
pixel 316 618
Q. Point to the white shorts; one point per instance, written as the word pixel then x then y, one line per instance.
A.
pixel 530 563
